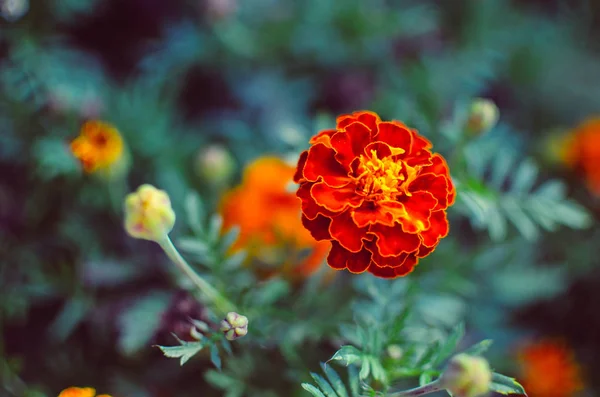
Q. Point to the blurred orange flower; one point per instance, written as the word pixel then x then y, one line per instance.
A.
pixel 80 392
pixel 99 146
pixel 268 215
pixel 580 149
pixel 375 190
pixel 548 369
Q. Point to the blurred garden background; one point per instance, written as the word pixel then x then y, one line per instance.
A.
pixel 197 91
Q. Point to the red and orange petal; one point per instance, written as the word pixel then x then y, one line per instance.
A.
pixel 548 369
pixel 80 392
pixel 269 216
pixel 580 149
pixel 376 192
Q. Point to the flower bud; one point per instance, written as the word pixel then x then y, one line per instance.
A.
pixel 148 213
pixel 215 165
pixel 395 352
pixel 234 326
pixel 467 376
pixel 483 116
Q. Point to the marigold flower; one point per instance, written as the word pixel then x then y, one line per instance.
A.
pixel 80 392
pixel 148 213
pixel 467 376
pixel 99 147
pixel 580 149
pixel 268 215
pixel 376 192
pixel 548 369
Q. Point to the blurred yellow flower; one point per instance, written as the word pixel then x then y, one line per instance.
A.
pixel 80 392
pixel 148 213
pixel 99 147
pixel 268 214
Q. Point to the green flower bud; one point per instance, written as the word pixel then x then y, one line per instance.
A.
pixel 467 376
pixel 234 326
pixel 148 213
pixel 215 165
pixel 483 116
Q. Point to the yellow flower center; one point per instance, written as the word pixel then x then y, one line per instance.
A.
pixel 384 179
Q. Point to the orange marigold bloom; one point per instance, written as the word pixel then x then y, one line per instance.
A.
pixel 80 392
pixel 376 192
pixel 99 146
pixel 548 369
pixel 581 150
pixel 268 215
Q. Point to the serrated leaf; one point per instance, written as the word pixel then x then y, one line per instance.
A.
pixel 365 370
pixel 194 246
pixel 323 385
pixel 229 238
pixel 234 261
pixel 335 380
pixel 354 381
pixel 195 212
pixel 347 354
pixel 215 357
pixel 505 385
pixel 449 346
pixel 185 351
pixel 214 227
pixel 312 390
pixel 479 348
pixel 377 370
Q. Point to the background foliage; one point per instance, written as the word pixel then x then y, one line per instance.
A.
pixel 82 302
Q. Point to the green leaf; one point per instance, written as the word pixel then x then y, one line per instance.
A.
pixel 354 380
pixel 234 261
pixel 139 322
pixel 479 348
pixel 195 213
pixel 347 354
pixel 312 390
pixel 229 238
pixel 323 385
pixel 185 351
pixel 377 370
pixel 214 356
pixel 450 345
pixel 365 370
pixel 425 378
pixel 505 385
pixel 214 228
pixel 334 380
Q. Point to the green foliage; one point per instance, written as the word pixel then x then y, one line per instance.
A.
pixel 332 384
pixel 506 385
pixel 184 351
pixel 509 194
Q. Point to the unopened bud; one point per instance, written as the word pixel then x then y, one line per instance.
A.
pixel 483 116
pixel 215 165
pixel 467 376
pixel 234 326
pixel 148 213
pixel 395 351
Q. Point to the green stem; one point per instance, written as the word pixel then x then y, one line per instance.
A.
pixel 205 288
pixel 419 391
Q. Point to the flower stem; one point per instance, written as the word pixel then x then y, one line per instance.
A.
pixel 419 391
pixel 205 288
